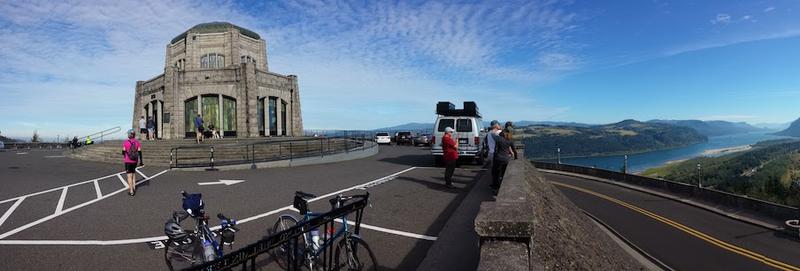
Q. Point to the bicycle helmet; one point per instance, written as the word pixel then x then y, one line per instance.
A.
pixel 131 133
pixel 173 230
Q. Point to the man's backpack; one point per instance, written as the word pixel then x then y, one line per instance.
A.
pixel 132 152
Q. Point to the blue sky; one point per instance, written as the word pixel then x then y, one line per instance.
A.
pixel 71 67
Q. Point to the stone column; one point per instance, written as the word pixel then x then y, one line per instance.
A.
pixel 160 122
pixel 219 115
pixel 266 115
pixel 297 117
pixel 279 120
pixel 136 105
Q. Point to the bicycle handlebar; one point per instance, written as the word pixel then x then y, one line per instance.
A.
pixel 227 221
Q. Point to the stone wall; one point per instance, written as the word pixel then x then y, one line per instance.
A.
pixel 532 226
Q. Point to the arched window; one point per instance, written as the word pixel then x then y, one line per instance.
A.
pixel 213 60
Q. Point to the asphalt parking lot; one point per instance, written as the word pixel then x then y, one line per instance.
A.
pixel 60 213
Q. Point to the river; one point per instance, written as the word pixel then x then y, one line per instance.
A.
pixel 640 162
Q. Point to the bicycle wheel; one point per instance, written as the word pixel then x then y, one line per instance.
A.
pixel 285 253
pixel 181 254
pixel 352 253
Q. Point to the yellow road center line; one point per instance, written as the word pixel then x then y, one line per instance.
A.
pixel 727 246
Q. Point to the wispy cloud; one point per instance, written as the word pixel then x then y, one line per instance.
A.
pixel 768 9
pixel 71 60
pixel 721 18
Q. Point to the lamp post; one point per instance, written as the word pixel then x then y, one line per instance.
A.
pixel 558 155
pixel 699 184
pixel 625 166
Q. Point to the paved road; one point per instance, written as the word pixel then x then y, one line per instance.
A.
pixel 682 236
pixel 88 227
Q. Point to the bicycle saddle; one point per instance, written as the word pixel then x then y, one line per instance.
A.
pixel 304 195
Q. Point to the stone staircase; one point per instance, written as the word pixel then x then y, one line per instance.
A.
pixel 226 151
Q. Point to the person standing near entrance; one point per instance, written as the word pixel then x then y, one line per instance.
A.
pixel 151 129
pixel 142 127
pixel 198 124
pixel 131 156
pixel 450 155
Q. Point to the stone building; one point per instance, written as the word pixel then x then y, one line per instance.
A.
pixel 220 71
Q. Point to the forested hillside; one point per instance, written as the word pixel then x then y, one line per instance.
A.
pixel 629 136
pixel 770 171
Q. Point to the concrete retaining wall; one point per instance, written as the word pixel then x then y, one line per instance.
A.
pixel 760 207
pixel 532 226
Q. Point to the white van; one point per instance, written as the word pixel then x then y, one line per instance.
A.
pixel 469 134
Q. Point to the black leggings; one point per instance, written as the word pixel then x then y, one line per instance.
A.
pixel 498 170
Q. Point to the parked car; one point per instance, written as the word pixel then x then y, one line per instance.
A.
pixel 422 140
pixel 383 138
pixel 404 138
pixel 469 132
pixel 2 145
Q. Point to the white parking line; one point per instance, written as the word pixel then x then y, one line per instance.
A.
pixel 59 188
pixel 124 182
pixel 60 205
pixel 45 219
pixel 140 173
pixel 97 189
pixel 391 231
pixel 10 210
pixel 157 238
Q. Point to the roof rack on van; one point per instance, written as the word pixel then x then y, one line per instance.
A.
pixel 449 109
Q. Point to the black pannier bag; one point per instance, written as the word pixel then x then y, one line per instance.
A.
pixel 471 109
pixel 444 108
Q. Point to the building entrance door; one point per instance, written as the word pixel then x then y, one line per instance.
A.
pixel 155 115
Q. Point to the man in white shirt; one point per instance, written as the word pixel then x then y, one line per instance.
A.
pixel 142 127
pixel 490 138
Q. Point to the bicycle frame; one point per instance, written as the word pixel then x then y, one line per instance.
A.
pixel 330 241
pixel 206 233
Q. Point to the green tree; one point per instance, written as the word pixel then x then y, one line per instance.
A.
pixel 35 137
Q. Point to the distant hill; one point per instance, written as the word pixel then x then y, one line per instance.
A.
pixel 412 126
pixel 765 172
pixel 523 123
pixel 628 136
pixel 7 140
pixel 772 126
pixel 793 130
pixel 416 126
pixel 714 127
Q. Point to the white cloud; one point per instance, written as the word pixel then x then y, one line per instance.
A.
pixel 722 18
pixel 768 9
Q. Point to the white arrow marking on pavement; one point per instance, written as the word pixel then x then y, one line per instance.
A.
pixel 225 182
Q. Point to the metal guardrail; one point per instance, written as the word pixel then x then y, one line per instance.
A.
pixel 760 207
pixel 102 133
pixel 259 152
pixel 246 256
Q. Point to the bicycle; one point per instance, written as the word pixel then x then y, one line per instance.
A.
pixel 357 254
pixel 186 248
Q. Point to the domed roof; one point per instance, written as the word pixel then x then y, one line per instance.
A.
pixel 216 27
